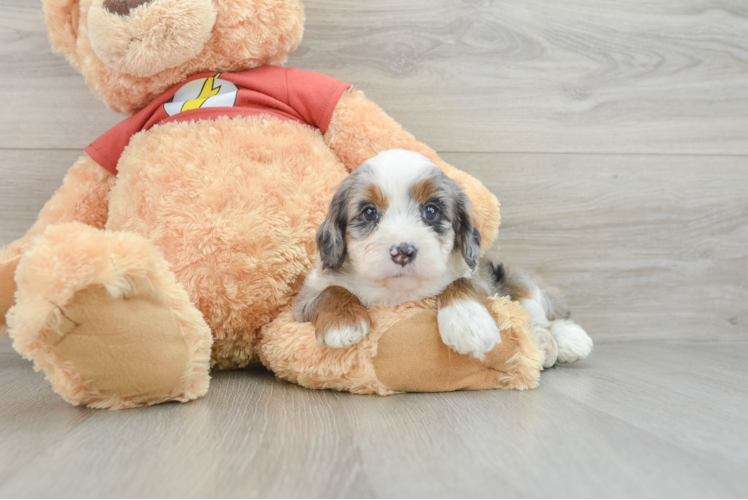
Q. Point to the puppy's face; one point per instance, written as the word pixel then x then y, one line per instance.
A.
pixel 400 222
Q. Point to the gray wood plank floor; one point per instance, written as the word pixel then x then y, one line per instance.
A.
pixel 615 134
pixel 638 419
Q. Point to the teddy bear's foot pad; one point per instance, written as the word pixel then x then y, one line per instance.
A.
pixel 103 316
pixel 128 348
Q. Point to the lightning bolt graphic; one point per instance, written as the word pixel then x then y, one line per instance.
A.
pixel 206 93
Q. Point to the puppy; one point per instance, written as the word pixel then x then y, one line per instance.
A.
pixel 399 229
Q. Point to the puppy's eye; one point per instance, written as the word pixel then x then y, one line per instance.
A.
pixel 370 214
pixel 431 212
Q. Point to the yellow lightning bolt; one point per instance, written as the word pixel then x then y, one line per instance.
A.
pixel 206 93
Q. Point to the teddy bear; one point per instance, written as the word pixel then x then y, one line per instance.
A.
pixel 177 243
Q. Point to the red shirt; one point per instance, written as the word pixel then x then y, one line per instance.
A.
pixel 285 93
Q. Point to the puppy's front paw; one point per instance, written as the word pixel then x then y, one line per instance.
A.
pixel 573 342
pixel 466 326
pixel 343 335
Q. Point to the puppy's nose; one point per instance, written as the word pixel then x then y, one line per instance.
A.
pixel 403 254
pixel 123 7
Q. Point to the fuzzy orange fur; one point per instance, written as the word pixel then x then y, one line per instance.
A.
pixel 238 228
pixel 150 38
pixel 216 218
pixel 246 35
pixel 69 258
pixel 291 350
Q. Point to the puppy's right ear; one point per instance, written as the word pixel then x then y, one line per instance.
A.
pixel 467 236
pixel 331 234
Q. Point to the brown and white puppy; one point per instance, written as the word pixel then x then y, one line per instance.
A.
pixel 398 230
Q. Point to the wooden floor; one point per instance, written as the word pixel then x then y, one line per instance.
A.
pixel 637 419
pixel 615 134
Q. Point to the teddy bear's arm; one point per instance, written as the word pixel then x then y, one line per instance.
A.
pixel 83 197
pixel 359 130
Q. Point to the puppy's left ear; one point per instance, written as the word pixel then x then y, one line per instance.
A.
pixel 467 236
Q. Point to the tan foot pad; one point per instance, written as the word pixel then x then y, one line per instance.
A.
pixel 410 358
pixel 128 348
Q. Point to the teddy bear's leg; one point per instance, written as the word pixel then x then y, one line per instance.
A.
pixel 83 197
pixel 101 313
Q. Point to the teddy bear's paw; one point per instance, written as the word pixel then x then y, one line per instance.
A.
pixel 341 336
pixel 124 348
pixel 467 328
pixel 573 342
pixel 546 345
pixel 103 316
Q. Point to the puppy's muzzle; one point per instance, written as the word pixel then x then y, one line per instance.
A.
pixel 403 254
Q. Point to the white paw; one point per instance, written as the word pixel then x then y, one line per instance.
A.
pixel 546 344
pixel 573 342
pixel 344 336
pixel 468 328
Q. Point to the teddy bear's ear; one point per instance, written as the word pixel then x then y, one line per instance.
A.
pixel 61 17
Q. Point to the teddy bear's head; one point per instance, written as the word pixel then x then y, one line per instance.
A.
pixel 131 51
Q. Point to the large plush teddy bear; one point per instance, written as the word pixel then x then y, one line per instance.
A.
pixel 177 243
